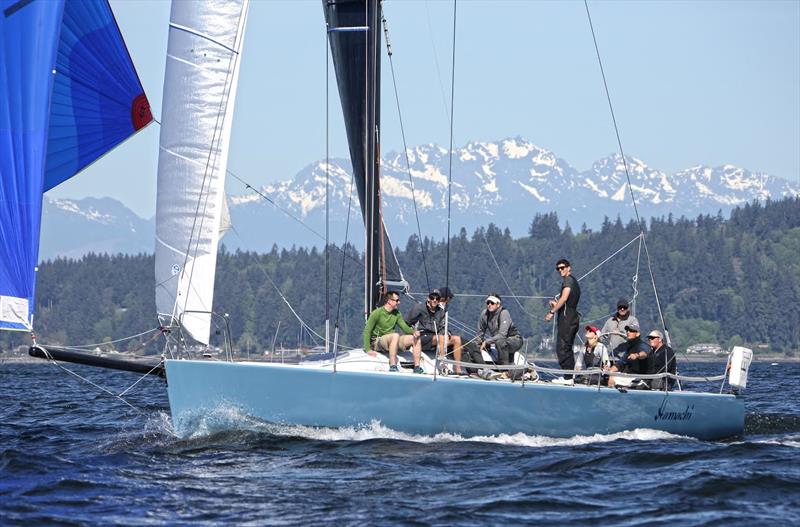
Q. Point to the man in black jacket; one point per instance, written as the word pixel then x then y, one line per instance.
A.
pixel 660 360
pixel 632 356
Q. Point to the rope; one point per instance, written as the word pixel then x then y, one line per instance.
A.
pixel 475 295
pixel 639 236
pixel 405 150
pixel 82 346
pixel 54 362
pixel 129 388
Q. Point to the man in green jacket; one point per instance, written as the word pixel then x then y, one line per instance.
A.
pixel 380 335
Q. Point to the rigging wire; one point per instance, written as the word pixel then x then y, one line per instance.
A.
pixel 248 186
pixel 450 165
pixel 627 175
pixel 344 252
pixel 502 276
pixel 327 185
pixel 405 148
pixel 445 104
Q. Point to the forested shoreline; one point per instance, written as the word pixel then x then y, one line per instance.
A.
pixel 729 281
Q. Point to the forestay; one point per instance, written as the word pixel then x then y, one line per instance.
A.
pixel 68 94
pixel 203 56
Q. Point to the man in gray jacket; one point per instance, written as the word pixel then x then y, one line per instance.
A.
pixel 503 336
pixel 613 331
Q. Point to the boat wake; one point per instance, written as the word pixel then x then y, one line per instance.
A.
pixel 230 422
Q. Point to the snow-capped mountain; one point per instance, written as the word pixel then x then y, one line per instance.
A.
pixel 506 182
pixel 73 228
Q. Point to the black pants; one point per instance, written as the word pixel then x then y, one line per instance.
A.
pixel 506 347
pixel 568 323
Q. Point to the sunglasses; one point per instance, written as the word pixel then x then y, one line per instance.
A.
pixel 561 267
pixel 622 308
pixel 652 338
pixel 434 297
pixel 490 303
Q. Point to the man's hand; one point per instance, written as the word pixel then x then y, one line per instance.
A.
pixel 549 315
pixel 371 353
pixel 633 356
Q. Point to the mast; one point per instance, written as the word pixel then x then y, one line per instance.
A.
pixel 354 35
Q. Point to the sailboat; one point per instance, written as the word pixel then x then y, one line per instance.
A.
pixel 345 388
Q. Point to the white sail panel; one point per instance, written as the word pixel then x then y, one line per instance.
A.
pixel 203 57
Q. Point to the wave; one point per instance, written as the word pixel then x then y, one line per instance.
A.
pixel 771 423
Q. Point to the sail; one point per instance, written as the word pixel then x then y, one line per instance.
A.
pixel 203 57
pixel 98 100
pixel 64 74
pixel 355 40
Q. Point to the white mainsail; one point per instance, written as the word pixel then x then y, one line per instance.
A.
pixel 203 57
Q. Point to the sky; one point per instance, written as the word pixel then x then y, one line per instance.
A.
pixel 691 82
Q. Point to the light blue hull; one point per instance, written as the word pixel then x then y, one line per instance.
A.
pixel 419 405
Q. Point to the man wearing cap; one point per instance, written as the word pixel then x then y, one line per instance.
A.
pixel 595 354
pixel 496 322
pixel 568 319
pixel 631 356
pixel 660 360
pixel 428 318
pixel 614 329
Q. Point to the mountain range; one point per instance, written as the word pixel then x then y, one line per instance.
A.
pixel 505 182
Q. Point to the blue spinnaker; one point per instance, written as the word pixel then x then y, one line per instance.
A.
pixel 29 33
pixel 98 100
pixel 64 75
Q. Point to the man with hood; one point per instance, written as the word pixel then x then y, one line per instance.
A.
pixel 613 330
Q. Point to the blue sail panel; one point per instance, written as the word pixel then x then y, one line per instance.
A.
pixel 98 100
pixel 29 31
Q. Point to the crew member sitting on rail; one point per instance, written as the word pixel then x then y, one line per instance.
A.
pixel 497 332
pixel 595 354
pixel 380 335
pixel 660 360
pixel 631 357
pixel 428 318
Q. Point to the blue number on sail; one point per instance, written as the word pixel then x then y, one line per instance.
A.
pixel 65 77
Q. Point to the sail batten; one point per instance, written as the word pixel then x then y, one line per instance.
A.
pixel 203 56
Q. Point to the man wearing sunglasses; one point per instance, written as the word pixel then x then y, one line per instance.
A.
pixel 428 318
pixel 660 360
pixel 495 328
pixel 568 318
pixel 380 335
pixel 614 328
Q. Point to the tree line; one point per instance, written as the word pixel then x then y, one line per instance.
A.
pixel 729 281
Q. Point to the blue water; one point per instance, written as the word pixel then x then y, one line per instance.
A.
pixel 71 454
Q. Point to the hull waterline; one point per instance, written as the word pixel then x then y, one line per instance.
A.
pixel 418 404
